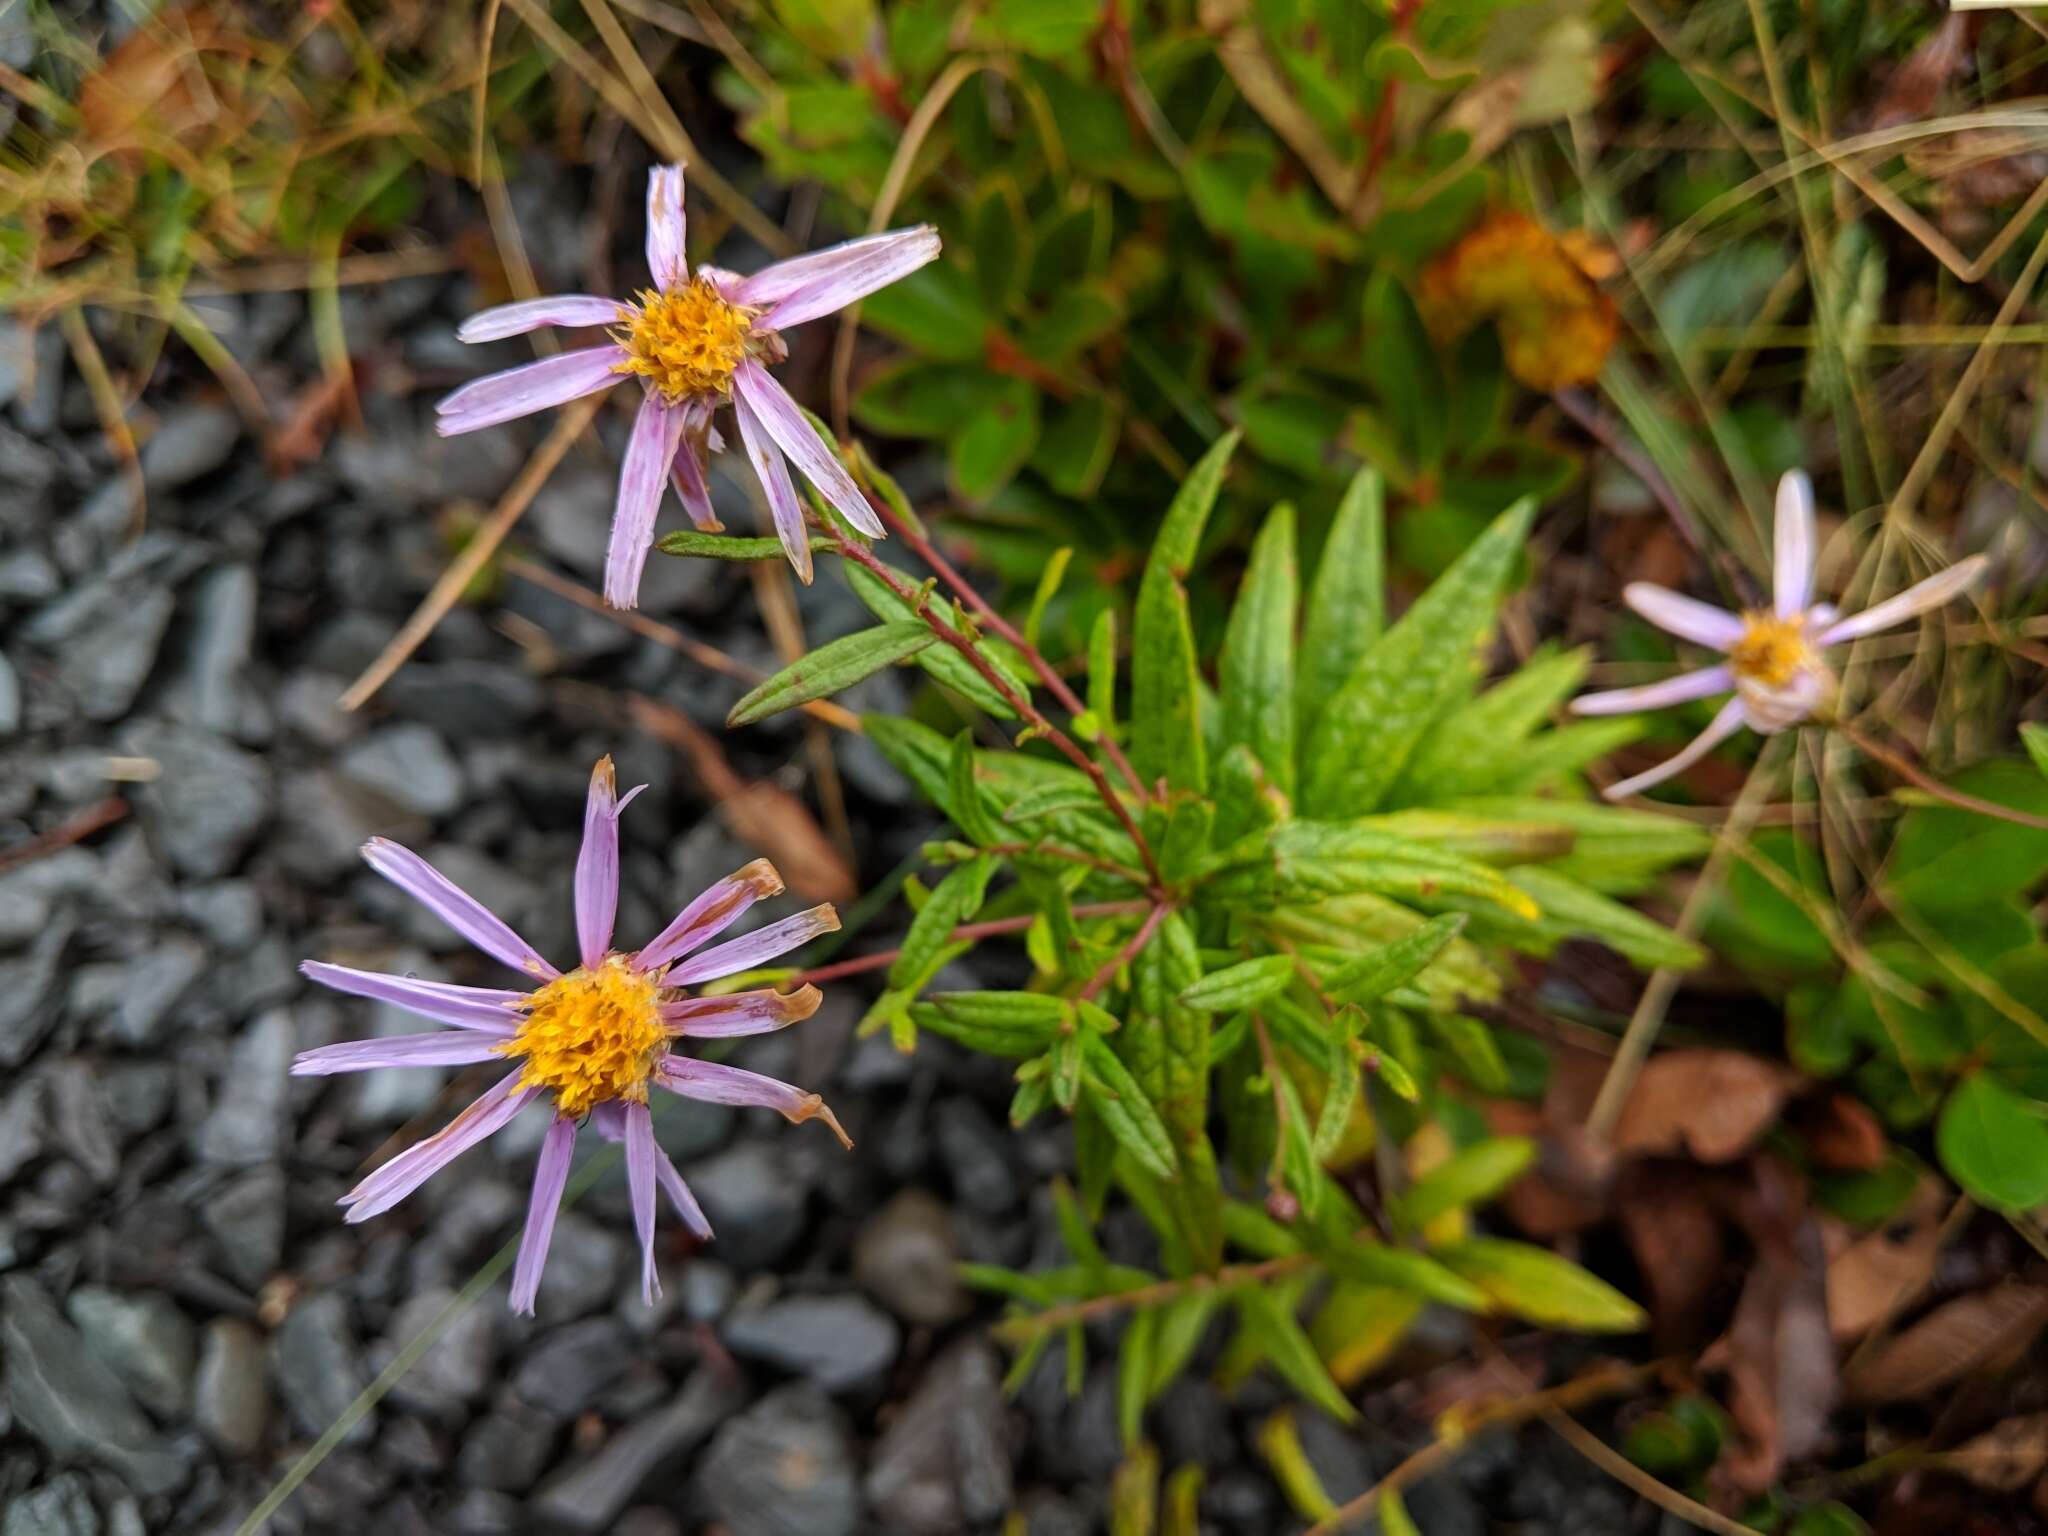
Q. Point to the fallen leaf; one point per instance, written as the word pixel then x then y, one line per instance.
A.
pixel 1556 326
pixel 1709 1104
pixel 1969 1334
pixel 771 821
pixel 1842 1134
pixel 1675 1233
pixel 1556 1197
pixel 2006 1457
pixel 1876 1275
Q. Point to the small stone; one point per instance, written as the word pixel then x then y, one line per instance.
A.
pixel 588 1497
pixel 144 1338
pixel 782 1468
pixel 484 1512
pixel 943 1465
pixel 23 1131
pixel 977 1155
pixel 325 820
pixel 507 1449
pixel 28 576
pixel 192 440
pixel 62 1396
pixel 411 1446
pixel 905 1258
pixel 838 1342
pixel 230 912
pixel 230 1393
pixel 569 1367
pixel 61 1507
pixel 410 766
pixel 707 1289
pixel 318 1368
pixel 138 1094
pixel 247 1124
pixel 456 1368
pixel 582 1271
pixel 754 1201
pixel 130 999
pixel 78 1119
pixel 208 799
pixel 25 1013
pixel 104 668
pixel 246 1221
pixel 10 698
pixel 464 698
pixel 217 655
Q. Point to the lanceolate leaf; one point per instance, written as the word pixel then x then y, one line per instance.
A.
pixel 1535 1283
pixel 970 811
pixel 1014 1024
pixel 1243 985
pixel 1365 735
pixel 1131 1118
pixel 943 663
pixel 1257 669
pixel 1346 607
pixel 1466 1178
pixel 1378 972
pixel 957 898
pixel 831 667
pixel 1286 1343
pixel 1472 750
pixel 1166 736
pixel 1567 910
pixel 1403 1269
pixel 718 546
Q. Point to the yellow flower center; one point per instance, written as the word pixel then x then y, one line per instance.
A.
pixel 591 1036
pixel 686 341
pixel 1771 650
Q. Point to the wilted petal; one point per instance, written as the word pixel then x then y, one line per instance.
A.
pixel 414 1166
pixel 768 463
pixel 649 453
pixel 483 1008
pixel 799 440
pixel 686 474
pixel 642 1156
pixel 679 1196
pixel 1691 620
pixel 665 227
pixel 1915 600
pixel 450 1048
pixel 549 1175
pixel 711 913
pixel 1792 532
pixel 516 392
pixel 1725 724
pixel 597 864
pixel 756 948
pixel 740 1013
pixel 716 1084
pixel 570 309
pixel 453 905
pixel 806 287
pixel 1681 689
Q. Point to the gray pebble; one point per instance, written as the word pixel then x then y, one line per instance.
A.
pixel 569 1367
pixel 208 800
pixel 838 1342
pixel 410 766
pixel 782 1468
pixel 588 1497
pixel 230 1393
pixel 905 1258
pixel 318 1368
pixel 145 1339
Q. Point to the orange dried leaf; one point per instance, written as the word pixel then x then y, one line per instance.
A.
pixel 1556 326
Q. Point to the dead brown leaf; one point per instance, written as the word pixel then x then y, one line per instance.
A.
pixel 1873 1276
pixel 1969 1334
pixel 1842 1134
pixel 1558 1196
pixel 771 821
pixel 1675 1234
pixel 1710 1104
pixel 2006 1457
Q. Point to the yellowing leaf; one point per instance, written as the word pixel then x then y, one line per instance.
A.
pixel 1556 326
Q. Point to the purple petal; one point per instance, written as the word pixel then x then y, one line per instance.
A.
pixel 442 1048
pixel 1730 720
pixel 716 1084
pixel 752 949
pixel 549 1175
pixel 1915 600
pixel 806 287
pixel 641 1156
pixel 665 227
pixel 679 1196
pixel 740 1013
pixel 768 463
pixel 517 392
pixel 414 1166
pixel 711 913
pixel 569 309
pixel 686 474
pixel 453 905
pixel 609 1119
pixel 1792 558
pixel 485 1008
pixel 597 865
pixel 797 438
pixel 1681 689
pixel 1683 616
pixel 649 453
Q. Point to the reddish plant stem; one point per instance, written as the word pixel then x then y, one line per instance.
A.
pixel 65 833
pixel 854 550
pixel 1906 769
pixel 1055 684
pixel 861 964
pixel 1128 953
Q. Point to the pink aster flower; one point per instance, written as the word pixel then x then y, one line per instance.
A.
pixel 592 1041
pixel 1774 666
pixel 695 342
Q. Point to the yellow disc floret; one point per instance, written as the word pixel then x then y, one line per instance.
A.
pixel 686 341
pixel 591 1036
pixel 1772 650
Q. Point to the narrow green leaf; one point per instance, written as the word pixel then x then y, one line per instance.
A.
pixel 941 662
pixel 2035 736
pixel 1393 1516
pixel 1377 972
pixel 1182 1322
pixel 1403 1269
pixel 956 899
pixel 1244 985
pixel 970 810
pixel 1166 735
pixel 831 667
pixel 1014 1024
pixel 1048 584
pixel 1346 607
pixel 1257 669
pixel 1471 1176
pixel 1339 1095
pixel 1134 1375
pixel 1102 674
pixel 1537 1284
pixel 1050 799
pixel 1363 738
pixel 1130 1117
pixel 1286 1344
pixel 1302 1167
pixel 718 546
pixel 1471 751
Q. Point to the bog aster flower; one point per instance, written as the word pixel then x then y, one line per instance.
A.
pixel 591 1041
pixel 694 341
pixel 1775 667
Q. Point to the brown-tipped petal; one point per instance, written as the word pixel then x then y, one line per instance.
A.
pixel 756 948
pixel 740 1013
pixel 711 913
